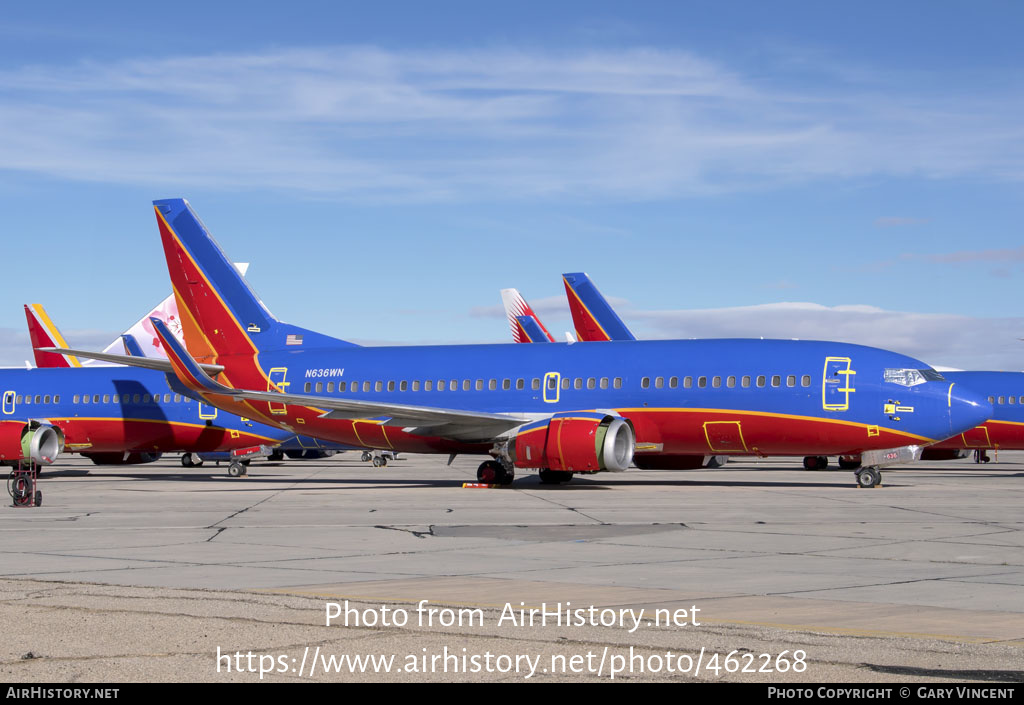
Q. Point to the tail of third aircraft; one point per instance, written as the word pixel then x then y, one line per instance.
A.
pixel 220 314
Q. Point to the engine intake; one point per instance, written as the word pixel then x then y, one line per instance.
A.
pixel 37 441
pixel 575 442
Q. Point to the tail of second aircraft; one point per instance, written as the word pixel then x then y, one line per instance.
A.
pixel 219 313
pixel 516 308
pixel 44 334
pixel 592 315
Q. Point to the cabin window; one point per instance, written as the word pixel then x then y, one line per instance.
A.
pixel 591 383
pixel 702 382
pixel 566 382
pixel 552 383
pixel 106 398
pixel 604 383
pixel 659 382
pixel 39 398
pixel 716 381
pixel 506 384
pixel 745 382
pixel 415 385
pixel 330 387
pixel 117 398
pixel 378 386
pixel 776 380
pixel 320 387
pixel 341 386
pixel 578 383
pixel 440 385
pixel 805 381
pixel 366 386
pixel 687 382
pixel 534 384
pixel 1002 400
pixel 991 400
pixel 391 385
pixel 617 383
pixel 403 386
pixel 56 398
pixel 492 384
pixel 428 386
pixel 95 399
pixel 85 399
pixel 730 381
pixel 791 380
pixel 453 385
pixel 177 398
pixel 467 385
pixel 520 383
pixel 1012 400
pixel 46 399
pixel 76 399
pixel 307 388
pixel 645 382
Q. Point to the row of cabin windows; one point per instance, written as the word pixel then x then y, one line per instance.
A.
pixel 466 385
pixel 730 381
pixel 98 398
pixel 1006 400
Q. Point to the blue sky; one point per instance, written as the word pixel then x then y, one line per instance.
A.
pixel 785 169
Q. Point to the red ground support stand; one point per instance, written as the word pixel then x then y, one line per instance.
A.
pixel 22 485
pixel 240 457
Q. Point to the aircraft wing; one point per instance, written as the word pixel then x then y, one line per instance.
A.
pixel 424 420
pixel 148 363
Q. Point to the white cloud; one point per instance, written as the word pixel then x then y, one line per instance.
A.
pixel 939 339
pixel 369 123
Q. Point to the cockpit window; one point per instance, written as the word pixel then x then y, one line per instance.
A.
pixel 911 378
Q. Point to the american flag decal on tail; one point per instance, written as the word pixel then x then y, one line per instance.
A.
pixel 293 340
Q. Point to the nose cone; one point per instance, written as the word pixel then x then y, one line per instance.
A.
pixel 967 409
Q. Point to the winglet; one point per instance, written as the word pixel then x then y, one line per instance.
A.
pixel 593 318
pixel 186 369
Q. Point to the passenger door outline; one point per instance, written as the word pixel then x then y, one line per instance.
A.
pixel 9 402
pixel 836 384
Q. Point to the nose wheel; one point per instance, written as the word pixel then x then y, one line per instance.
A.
pixel 868 477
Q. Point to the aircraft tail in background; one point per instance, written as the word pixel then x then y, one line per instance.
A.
pixel 593 318
pixel 516 308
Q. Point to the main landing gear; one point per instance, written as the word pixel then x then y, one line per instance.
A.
pixel 191 460
pixel 868 477
pixel 815 462
pixel 491 472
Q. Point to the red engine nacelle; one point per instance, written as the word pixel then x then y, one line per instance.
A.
pixel 36 441
pixel 584 442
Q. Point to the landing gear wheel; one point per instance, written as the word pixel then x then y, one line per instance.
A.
pixel 276 456
pixel 849 463
pixel 815 462
pixel 236 469
pixel 366 456
pixel 39 498
pixel 191 460
pixel 380 461
pixel 491 472
pixel 868 477
pixel 554 477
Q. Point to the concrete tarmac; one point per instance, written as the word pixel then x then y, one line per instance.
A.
pixel 158 573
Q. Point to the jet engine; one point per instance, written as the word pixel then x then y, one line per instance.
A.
pixel 575 442
pixel 37 441
pixel 122 458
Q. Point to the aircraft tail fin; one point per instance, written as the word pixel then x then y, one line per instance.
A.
pixel 530 330
pixel 219 312
pixel 132 347
pixel 44 334
pixel 592 316
pixel 515 307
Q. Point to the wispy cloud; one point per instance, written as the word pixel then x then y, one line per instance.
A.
pixel 940 339
pixel 374 124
